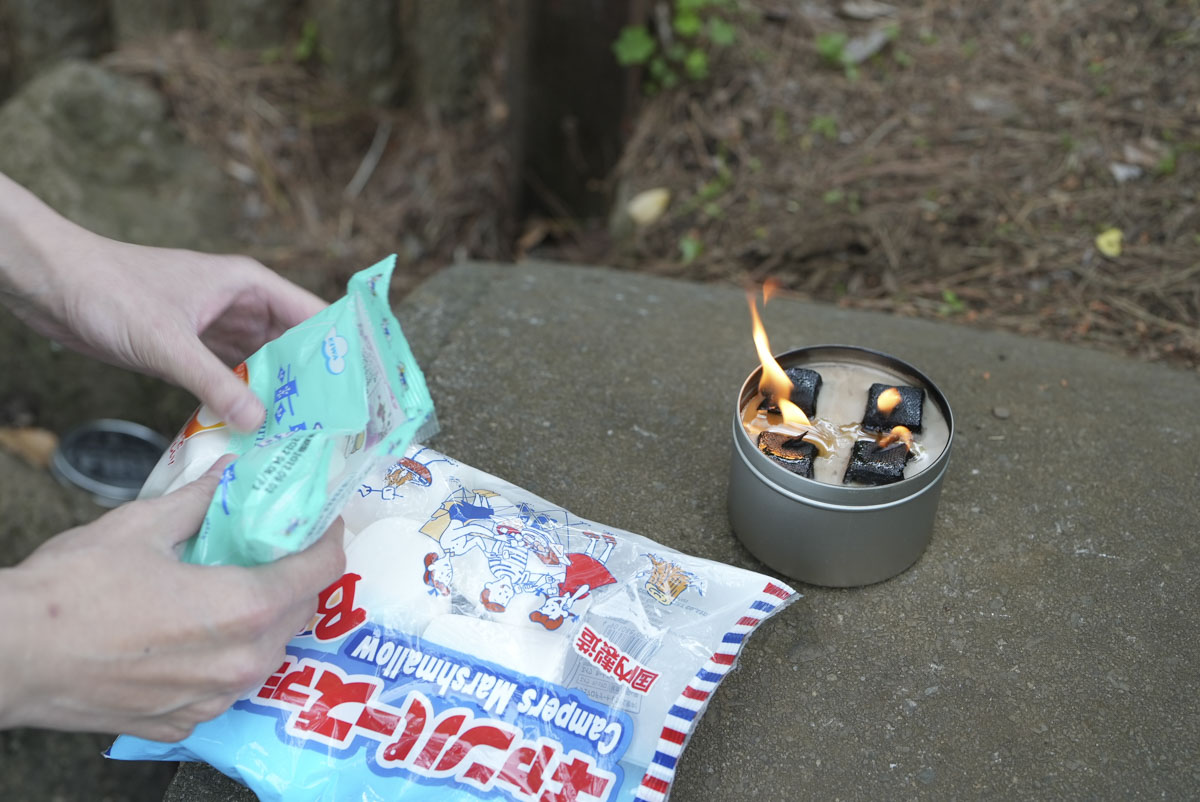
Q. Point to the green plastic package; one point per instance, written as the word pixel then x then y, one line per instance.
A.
pixel 340 389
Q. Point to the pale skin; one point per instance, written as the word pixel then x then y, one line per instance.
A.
pixel 104 629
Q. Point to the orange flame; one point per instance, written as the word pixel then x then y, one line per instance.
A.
pixel 888 400
pixel 774 384
pixel 898 434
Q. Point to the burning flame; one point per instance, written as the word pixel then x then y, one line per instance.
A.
pixel 898 434
pixel 888 400
pixel 774 384
pixel 771 286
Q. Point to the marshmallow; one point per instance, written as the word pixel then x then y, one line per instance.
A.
pixel 389 557
pixel 532 652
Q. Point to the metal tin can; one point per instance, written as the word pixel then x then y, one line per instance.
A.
pixel 828 534
pixel 110 459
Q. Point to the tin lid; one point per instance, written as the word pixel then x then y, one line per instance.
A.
pixel 108 458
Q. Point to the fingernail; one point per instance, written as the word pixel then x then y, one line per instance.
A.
pixel 223 462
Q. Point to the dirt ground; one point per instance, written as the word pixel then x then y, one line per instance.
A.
pixel 964 171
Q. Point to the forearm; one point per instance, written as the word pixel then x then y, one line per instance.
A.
pixel 30 234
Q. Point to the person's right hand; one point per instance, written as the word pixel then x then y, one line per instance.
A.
pixel 103 629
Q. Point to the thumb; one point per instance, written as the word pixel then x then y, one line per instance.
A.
pixel 304 574
pixel 197 369
pixel 177 516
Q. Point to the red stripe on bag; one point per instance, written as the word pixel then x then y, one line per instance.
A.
pixel 775 590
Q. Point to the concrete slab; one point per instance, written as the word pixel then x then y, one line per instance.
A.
pixel 1046 644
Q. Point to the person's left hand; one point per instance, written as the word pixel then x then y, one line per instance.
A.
pixel 178 315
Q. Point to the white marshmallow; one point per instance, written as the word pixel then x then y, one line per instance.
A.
pixel 389 555
pixel 533 652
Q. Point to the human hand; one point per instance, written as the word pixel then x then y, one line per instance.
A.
pixel 178 315
pixel 170 313
pixel 106 630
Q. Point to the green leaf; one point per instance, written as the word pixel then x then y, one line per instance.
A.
pixel 306 48
pixel 687 24
pixel 824 125
pixel 696 65
pixel 832 47
pixel 1166 165
pixel 951 304
pixel 634 46
pixel 690 247
pixel 720 32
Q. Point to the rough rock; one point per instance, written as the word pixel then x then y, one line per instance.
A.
pixel 46 31
pixel 99 148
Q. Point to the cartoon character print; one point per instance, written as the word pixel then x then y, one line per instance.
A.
pixel 404 471
pixel 666 580
pixel 524 554
pixel 583 573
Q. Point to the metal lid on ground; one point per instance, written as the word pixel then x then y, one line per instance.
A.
pixel 108 458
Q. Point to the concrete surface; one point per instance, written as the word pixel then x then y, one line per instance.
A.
pixel 1045 646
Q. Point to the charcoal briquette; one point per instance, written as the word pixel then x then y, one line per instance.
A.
pixel 806 385
pixel 906 413
pixel 789 451
pixel 872 465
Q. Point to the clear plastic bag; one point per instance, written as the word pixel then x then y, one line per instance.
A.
pixel 483 643
pixel 486 644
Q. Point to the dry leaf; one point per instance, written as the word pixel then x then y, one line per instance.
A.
pixel 648 206
pixel 1108 242
pixel 35 446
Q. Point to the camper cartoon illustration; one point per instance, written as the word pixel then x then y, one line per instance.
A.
pixel 526 552
pixel 583 573
pixel 415 470
pixel 666 580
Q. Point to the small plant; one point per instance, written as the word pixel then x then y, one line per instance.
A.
pixel 684 51
pixel 1166 165
pixel 690 247
pixel 831 47
pixel 707 196
pixel 825 126
pixel 951 304
pixel 307 49
pixel 839 197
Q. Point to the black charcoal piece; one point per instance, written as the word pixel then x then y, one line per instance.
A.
pixel 789 451
pixel 806 384
pixel 872 465
pixel 906 413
